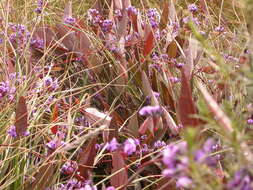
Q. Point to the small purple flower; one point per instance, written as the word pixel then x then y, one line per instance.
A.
pixel 131 10
pixel 48 81
pixel 12 131
pixel 118 14
pixel 219 29
pixel 69 167
pixel 174 80
pixel 184 182
pixel 107 25
pixel 242 180
pixel 151 111
pixel 192 8
pixel 69 20
pixel 250 121
pixel 113 145
pixel 94 16
pixel 203 155
pixel 159 144
pixel 53 144
pixel 110 188
pixel 130 146
pixel 37 43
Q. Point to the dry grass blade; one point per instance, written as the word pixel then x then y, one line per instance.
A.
pixel 21 116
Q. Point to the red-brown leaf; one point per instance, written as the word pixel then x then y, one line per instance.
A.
pixel 86 159
pixel 186 103
pixel 21 116
pixel 147 124
pixel 165 16
pixel 54 129
pixel 43 177
pixel 120 178
pixel 149 42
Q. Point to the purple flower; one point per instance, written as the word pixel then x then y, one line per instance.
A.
pixel 174 157
pixel 37 43
pixel 48 81
pixel 118 14
pixel 107 25
pixel 159 144
pixel 113 145
pixel 219 29
pixel 131 10
pixel 12 131
pixel 242 180
pixel 203 155
pixel 69 20
pixel 130 146
pixel 94 16
pixel 192 8
pixel 53 144
pixel 69 167
pixel 184 182
pixel 150 111
pixel 250 121
pixel 110 188
pixel 174 80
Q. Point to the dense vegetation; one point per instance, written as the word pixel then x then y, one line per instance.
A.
pixel 113 95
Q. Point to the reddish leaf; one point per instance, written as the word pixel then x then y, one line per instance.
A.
pixel 120 177
pixel 86 159
pixel 43 177
pixel 133 126
pixel 67 37
pixel 149 42
pixel 170 122
pixel 208 70
pixel 167 96
pixel 21 116
pixel 172 49
pixel 186 104
pixel 54 129
pixel 165 16
pixel 147 124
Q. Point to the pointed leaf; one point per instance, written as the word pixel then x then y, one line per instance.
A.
pixel 170 122
pixel 186 103
pixel 133 126
pixel 165 16
pixel 147 124
pixel 149 42
pixel 21 116
pixel 43 177
pixel 54 129
pixel 147 90
pixel 86 159
pixel 120 176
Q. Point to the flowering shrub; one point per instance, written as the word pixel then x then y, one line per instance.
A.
pixel 126 95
